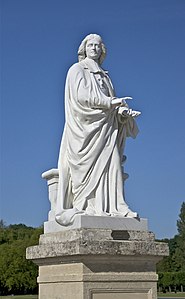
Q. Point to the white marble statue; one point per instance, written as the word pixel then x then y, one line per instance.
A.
pixel 91 153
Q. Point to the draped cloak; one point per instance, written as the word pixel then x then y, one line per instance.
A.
pixel 91 151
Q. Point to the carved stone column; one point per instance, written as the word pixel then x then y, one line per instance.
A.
pixel 52 178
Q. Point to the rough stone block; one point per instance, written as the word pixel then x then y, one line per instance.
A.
pixel 97 263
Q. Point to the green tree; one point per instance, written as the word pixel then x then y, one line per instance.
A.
pixel 17 275
pixel 181 222
pixel 181 281
pixel 170 263
pixel 166 281
pixel 179 254
pixel 175 263
pixel 2 224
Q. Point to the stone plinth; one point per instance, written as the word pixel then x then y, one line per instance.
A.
pixel 97 263
pixel 102 222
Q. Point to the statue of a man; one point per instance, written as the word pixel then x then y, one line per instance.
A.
pixel 91 152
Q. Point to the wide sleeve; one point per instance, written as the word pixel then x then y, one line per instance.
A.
pixel 129 123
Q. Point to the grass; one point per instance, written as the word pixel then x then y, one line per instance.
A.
pixel 171 295
pixel 20 297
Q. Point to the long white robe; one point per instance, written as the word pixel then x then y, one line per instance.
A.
pixel 90 159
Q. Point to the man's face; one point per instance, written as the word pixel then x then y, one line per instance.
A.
pixel 93 48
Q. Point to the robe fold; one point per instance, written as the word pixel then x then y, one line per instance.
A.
pixel 91 152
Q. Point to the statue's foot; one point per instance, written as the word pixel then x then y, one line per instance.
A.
pixel 66 217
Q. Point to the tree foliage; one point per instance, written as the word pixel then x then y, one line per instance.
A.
pixel 181 222
pixel 17 275
pixel 171 281
pixel 172 269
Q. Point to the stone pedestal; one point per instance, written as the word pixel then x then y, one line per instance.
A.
pixel 95 257
pixel 97 222
pixel 92 263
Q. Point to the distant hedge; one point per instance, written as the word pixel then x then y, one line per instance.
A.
pixel 171 281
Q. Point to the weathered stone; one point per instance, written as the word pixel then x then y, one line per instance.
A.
pixel 96 242
pixel 91 263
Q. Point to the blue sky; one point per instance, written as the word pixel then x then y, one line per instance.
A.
pixel 145 59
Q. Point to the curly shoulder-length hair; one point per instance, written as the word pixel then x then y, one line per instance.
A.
pixel 81 50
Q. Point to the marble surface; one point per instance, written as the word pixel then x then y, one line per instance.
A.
pixel 90 165
pixel 86 221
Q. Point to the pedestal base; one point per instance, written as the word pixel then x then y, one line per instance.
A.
pixel 97 264
pixel 79 281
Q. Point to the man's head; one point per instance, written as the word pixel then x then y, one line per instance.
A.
pixel 92 47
